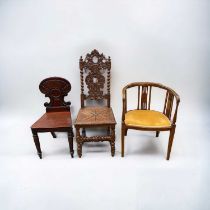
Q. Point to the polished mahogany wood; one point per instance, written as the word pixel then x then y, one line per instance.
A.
pixel 95 87
pixel 58 116
pixel 144 102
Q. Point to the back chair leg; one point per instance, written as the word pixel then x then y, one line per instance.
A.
pixel 126 130
pixel 122 141
pixel 83 132
pixel 37 144
pixel 53 134
pixel 157 133
pixel 108 131
pixel 79 149
pixel 70 140
pixel 170 142
pixel 112 143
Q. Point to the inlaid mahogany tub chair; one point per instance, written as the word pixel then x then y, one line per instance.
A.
pixel 143 118
pixel 95 90
pixel 58 116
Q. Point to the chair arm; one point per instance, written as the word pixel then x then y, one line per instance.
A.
pixel 176 110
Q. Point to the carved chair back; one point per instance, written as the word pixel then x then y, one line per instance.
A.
pixel 56 88
pixel 144 98
pixel 95 77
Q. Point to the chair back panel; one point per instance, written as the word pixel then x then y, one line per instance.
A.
pixel 95 77
pixel 56 88
pixel 144 97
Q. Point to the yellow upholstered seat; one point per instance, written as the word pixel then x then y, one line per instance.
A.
pixel 146 118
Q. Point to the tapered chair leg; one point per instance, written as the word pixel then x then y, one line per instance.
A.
pixel 37 144
pixel 157 133
pixel 122 141
pixel 70 140
pixel 53 134
pixel 170 142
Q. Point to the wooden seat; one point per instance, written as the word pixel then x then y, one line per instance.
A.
pixel 58 116
pixel 53 120
pixel 95 75
pixel 143 118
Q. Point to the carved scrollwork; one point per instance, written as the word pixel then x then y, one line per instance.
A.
pixel 56 88
pixel 95 65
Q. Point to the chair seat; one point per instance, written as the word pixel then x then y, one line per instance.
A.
pixel 92 116
pixel 54 120
pixel 146 118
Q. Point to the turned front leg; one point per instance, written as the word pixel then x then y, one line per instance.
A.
pixel 79 149
pixel 37 144
pixel 79 143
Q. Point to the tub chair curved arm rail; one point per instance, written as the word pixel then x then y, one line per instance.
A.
pixel 142 118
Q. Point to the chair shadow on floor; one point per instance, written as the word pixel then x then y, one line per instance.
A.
pixel 96 147
pixel 60 149
pixel 145 145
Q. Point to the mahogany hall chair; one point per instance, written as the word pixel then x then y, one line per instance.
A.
pixel 58 116
pixel 95 87
pixel 143 118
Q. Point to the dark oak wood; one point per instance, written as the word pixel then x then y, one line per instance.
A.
pixel 58 116
pixel 95 86
pixel 144 99
pixel 95 75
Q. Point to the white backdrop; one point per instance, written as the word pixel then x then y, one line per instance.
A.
pixel 161 41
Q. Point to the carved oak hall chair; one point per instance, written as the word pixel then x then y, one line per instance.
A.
pixel 95 90
pixel 58 116
pixel 143 118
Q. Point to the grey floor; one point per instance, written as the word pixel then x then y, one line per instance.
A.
pixel 143 179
